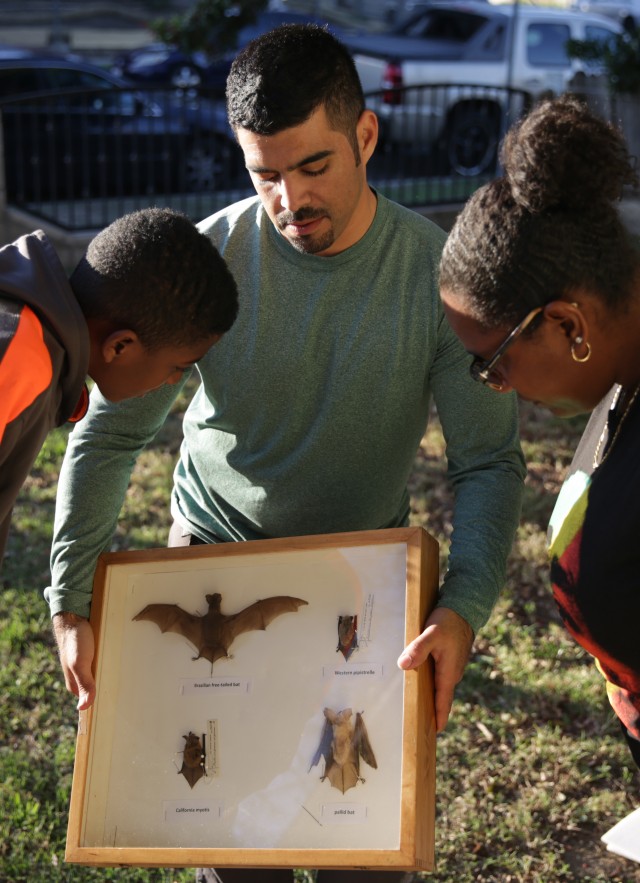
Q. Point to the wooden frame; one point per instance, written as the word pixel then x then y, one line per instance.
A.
pixel 262 801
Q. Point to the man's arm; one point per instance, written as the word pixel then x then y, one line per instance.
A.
pixel 447 638
pixel 486 468
pixel 93 481
pixel 74 637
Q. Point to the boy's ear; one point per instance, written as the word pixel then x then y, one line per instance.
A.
pixel 120 345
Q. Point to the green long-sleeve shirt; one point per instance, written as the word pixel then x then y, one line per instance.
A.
pixel 310 411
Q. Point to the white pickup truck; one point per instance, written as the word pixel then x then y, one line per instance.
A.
pixel 444 76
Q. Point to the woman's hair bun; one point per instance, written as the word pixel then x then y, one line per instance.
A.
pixel 562 156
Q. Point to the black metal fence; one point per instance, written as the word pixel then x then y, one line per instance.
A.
pixel 81 158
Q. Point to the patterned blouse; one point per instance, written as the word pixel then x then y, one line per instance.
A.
pixel 594 545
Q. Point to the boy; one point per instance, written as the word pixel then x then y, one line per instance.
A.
pixel 146 301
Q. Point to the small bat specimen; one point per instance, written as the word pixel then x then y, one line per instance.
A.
pixel 347 635
pixel 193 759
pixel 342 744
pixel 213 633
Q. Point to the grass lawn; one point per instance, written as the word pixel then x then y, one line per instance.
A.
pixel 531 769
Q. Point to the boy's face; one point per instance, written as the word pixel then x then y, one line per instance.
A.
pixel 310 184
pixel 133 370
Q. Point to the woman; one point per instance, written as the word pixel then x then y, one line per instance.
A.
pixel 541 282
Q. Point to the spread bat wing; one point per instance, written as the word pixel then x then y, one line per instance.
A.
pixel 324 749
pixel 192 759
pixel 257 616
pixel 171 618
pixel 361 743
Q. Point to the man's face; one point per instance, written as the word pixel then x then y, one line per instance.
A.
pixel 310 183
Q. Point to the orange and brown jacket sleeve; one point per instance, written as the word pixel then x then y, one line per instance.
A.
pixel 25 363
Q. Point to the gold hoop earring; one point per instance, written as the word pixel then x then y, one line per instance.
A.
pixel 577 342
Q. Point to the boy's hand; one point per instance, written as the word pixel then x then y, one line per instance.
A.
pixel 447 638
pixel 74 637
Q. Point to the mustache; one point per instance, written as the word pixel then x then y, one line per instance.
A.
pixel 303 214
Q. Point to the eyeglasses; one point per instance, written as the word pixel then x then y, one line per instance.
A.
pixel 483 370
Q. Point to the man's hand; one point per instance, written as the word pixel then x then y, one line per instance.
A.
pixel 447 638
pixel 74 637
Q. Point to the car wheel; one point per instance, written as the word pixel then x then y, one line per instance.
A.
pixel 186 77
pixel 208 166
pixel 472 142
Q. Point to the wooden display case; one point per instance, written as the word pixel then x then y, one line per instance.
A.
pixel 304 746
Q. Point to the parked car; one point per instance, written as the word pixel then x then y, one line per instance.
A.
pixel 165 65
pixel 72 129
pixel 160 64
pixel 443 76
pixel 626 12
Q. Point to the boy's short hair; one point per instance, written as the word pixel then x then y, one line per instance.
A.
pixel 279 79
pixel 153 271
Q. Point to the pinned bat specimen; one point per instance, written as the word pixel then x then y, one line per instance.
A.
pixel 213 633
pixel 193 759
pixel 342 744
pixel 347 635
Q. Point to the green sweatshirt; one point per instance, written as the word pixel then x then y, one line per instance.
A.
pixel 310 411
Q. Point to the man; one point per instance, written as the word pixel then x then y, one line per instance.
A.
pixel 312 408
pixel 128 316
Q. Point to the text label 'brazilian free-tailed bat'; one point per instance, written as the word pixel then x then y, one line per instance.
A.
pixel 213 633
pixel 343 742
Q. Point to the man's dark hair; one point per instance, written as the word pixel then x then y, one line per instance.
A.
pixel 279 79
pixel 154 272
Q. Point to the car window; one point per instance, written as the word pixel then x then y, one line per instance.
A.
pixel 97 93
pixel 601 35
pixel 58 78
pixel 443 24
pixel 495 42
pixel 120 103
pixel 547 44
pixel 491 44
pixel 19 80
pixel 597 32
pixel 149 57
